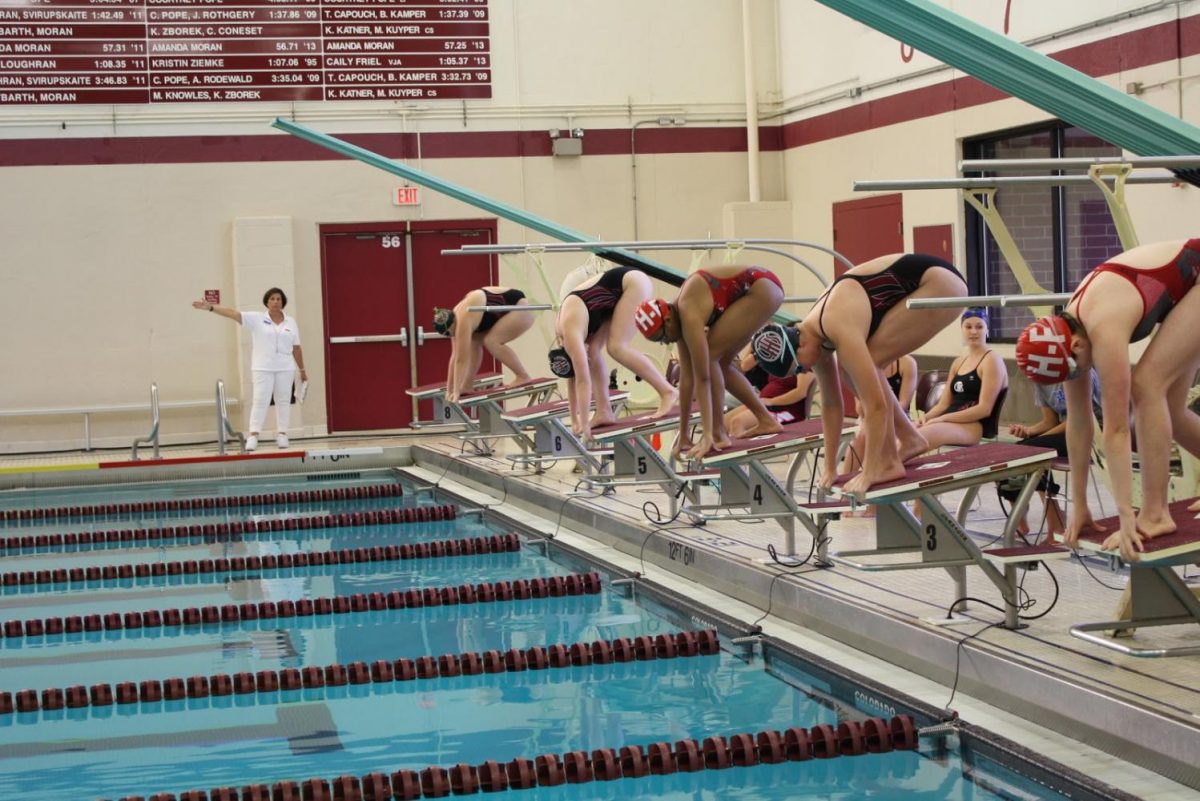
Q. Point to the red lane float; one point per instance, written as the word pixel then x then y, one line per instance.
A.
pixel 221 532
pixel 478 546
pixel 312 677
pixel 190 504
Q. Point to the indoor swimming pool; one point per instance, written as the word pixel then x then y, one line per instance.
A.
pixel 349 636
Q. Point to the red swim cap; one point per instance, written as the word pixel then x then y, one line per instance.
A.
pixel 651 318
pixel 1044 351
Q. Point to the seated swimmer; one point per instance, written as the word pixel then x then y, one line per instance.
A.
pixel 713 317
pixel 472 332
pixel 597 315
pixel 970 410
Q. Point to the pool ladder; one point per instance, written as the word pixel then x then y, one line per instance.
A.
pixel 152 437
pixel 225 429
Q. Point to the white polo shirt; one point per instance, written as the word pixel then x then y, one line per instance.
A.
pixel 272 344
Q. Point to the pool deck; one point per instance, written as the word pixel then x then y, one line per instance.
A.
pixel 1038 685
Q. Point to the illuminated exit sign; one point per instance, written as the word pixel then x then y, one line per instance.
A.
pixel 406 196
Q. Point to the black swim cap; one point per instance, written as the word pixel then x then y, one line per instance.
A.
pixel 560 363
pixel 774 347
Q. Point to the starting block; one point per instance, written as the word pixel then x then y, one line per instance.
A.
pixel 635 459
pixel 1157 594
pixel 939 537
pixel 745 482
pixel 488 407
pixel 553 438
pixel 448 414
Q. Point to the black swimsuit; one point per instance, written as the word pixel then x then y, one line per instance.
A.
pixel 896 381
pixel 601 297
pixel 508 297
pixel 964 393
pixel 890 285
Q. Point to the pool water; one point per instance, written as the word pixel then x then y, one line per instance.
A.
pixel 172 746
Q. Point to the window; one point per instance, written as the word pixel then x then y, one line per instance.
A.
pixel 1062 231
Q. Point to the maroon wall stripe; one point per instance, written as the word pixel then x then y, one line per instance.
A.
pixel 1152 45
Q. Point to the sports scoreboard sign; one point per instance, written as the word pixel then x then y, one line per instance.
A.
pixel 199 51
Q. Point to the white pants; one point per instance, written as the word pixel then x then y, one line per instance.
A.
pixel 266 383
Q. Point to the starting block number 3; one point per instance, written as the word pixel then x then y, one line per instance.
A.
pixel 931 537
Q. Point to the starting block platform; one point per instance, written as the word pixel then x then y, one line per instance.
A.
pixel 1158 596
pixel 636 461
pixel 447 414
pixel 553 438
pixel 746 483
pixel 487 406
pixel 939 538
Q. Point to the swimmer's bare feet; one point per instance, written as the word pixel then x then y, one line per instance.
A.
pixel 763 427
pixel 701 449
pixel 1195 507
pixel 911 446
pixel 682 446
pixel 869 477
pixel 667 402
pixel 599 420
pixel 1154 526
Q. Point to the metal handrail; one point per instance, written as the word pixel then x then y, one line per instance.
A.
pixel 152 437
pixel 225 429
pixel 1078 163
pixel 672 244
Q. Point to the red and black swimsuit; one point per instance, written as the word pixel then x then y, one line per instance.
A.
pixel 1160 287
pixel 508 297
pixel 727 290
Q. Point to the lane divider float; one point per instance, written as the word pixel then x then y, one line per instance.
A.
pixel 212 502
pixel 381 671
pixel 267 563
pixel 823 741
pixel 487 592
pixel 228 531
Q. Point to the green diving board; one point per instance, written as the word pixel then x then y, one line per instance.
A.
pixel 532 221
pixel 1031 76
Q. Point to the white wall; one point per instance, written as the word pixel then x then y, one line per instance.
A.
pixel 100 262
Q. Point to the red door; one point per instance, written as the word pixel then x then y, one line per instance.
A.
pixel 934 240
pixel 868 227
pixel 442 281
pixel 381 282
pixel 365 279
pixel 864 229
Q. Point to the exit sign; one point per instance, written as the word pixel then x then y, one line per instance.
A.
pixel 406 196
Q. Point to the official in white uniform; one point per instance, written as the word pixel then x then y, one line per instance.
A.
pixel 275 356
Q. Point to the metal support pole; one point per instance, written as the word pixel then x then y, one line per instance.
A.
pixel 519 307
pixel 996 182
pixel 1081 163
pixel 1052 299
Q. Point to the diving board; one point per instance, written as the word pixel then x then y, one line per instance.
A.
pixel 553 437
pixel 1158 596
pixel 745 482
pixel 1034 77
pixel 445 414
pixel 939 539
pixel 628 258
